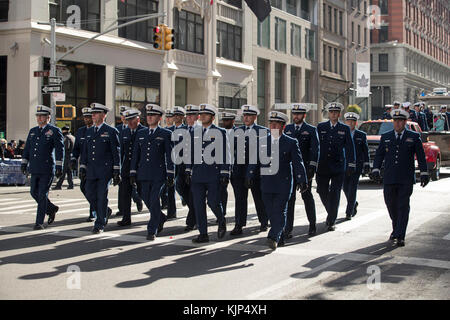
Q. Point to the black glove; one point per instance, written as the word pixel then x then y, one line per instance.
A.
pixel 170 182
pixel 249 183
pixel 311 172
pixel 133 181
pixel 302 187
pixel 224 181
pixel 58 173
pixel 424 180
pixel 116 179
pixel 82 174
pixel 73 164
pixel 23 168
pixel 366 169
pixel 376 176
pixel 187 178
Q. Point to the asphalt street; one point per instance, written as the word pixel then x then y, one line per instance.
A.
pixel 65 261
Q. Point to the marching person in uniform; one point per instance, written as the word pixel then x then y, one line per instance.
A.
pixel 227 119
pixel 152 167
pixel 182 184
pixel 351 180
pixel 169 119
pixel 124 123
pixel 446 115
pixel 127 140
pixel 207 179
pixel 397 150
pixel 69 141
pixel 387 112
pixel 413 116
pixel 337 156
pixel 100 162
pixel 278 184
pixel 178 117
pixel 165 193
pixel 308 141
pixel 396 105
pixel 78 147
pixel 238 176
pixel 44 151
pixel 421 117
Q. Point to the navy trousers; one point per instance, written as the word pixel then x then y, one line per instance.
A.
pixel 396 197
pixel 97 194
pixel 310 208
pixel 92 213
pixel 168 198
pixel 224 199
pixel 125 195
pixel 241 201
pixel 210 192
pixel 150 192
pixel 184 191
pixel 350 188
pixel 276 208
pixel 40 185
pixel 329 189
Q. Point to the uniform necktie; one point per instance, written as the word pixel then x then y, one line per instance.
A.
pixel 398 138
pixel 151 131
pixel 190 129
pixel 247 128
pixel 297 128
pixel 95 129
pixel 204 130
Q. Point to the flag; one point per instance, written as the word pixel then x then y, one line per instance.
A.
pixel 261 8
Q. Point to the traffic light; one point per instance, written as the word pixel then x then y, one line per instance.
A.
pixel 169 38
pixel 65 112
pixel 158 38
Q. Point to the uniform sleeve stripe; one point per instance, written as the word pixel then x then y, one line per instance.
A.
pixel 58 163
pixel 116 167
pixel 132 171
pixel 170 171
pixel 313 163
pixel 424 173
pixel 25 161
pixel 376 170
pixel 352 165
pixel 83 166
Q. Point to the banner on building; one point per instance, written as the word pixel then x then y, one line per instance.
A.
pixel 362 80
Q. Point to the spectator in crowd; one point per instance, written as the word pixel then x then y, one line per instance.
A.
pixel 19 150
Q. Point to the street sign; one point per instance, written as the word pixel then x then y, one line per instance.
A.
pixel 59 96
pixel 42 73
pixel 54 80
pixel 49 89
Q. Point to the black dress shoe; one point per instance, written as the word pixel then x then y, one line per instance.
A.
pixel 400 243
pixel 150 237
pixel 221 230
pixel 52 214
pixel 164 207
pixel 109 212
pixel 188 228
pixel 123 223
pixel 391 237
pixel 161 224
pixel 97 231
pixel 69 187
pixel 139 206
pixel 90 219
pixel 56 188
pixel 312 230
pixel 171 216
pixel 355 210
pixel 183 203
pixel 201 238
pixel 118 213
pixel 263 228
pixel 288 235
pixel 331 227
pixel 348 217
pixel 38 227
pixel 272 243
pixel 236 231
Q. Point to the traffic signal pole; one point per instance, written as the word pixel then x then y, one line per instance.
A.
pixel 53 66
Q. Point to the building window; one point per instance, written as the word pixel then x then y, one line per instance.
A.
pixel 264 33
pixel 371 63
pixel 365 37
pixel 324 58
pixel 305 9
pixel 189 31
pixel 341 70
pixel 383 4
pixel 324 16
pixel 383 62
pixel 89 10
pixel 280 35
pixel 4 9
pixel 329 19
pixel 341 23
pixel 335 21
pixel 3 91
pixel 335 61
pixel 294 84
pixel 236 3
pixel 261 75
pixel 330 67
pixel 353 31
pixel 142 31
pixel 136 88
pixel 291 6
pixel 229 41
pixel 296 40
pixel 383 34
pixel 232 96
pixel 276 3
pixel 359 34
pixel 278 82
pixel 310 44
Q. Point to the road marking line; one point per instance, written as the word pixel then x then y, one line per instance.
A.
pixel 356 223
pixel 447 237
pixel 34 204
